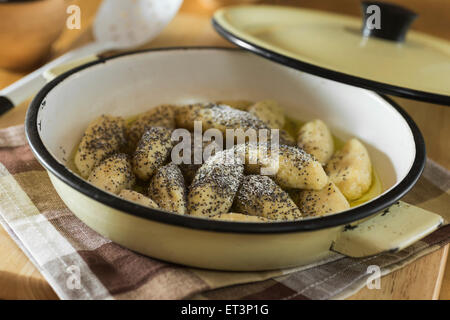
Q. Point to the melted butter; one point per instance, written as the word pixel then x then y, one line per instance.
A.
pixel 374 191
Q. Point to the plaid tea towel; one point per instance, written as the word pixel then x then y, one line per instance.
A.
pixel 80 264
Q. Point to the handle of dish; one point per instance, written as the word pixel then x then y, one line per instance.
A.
pixel 392 230
pixel 26 87
pixel 386 20
pixel 52 73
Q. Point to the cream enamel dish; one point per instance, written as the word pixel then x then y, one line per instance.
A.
pixel 131 83
pixel 388 60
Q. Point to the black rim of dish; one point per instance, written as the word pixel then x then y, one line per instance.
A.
pixel 330 74
pixel 68 177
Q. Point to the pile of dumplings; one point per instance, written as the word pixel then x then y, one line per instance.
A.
pixel 312 178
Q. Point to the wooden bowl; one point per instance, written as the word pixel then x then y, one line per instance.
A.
pixel 27 31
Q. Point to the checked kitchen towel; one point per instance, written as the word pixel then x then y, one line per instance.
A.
pixel 65 250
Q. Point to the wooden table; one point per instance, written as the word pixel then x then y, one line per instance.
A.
pixel 427 278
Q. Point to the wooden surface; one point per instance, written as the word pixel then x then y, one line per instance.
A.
pixel 427 278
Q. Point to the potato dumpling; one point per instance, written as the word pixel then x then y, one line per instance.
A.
pixel 270 112
pixel 168 190
pixel 239 217
pixel 152 152
pixel 351 170
pixel 297 169
pixel 160 116
pixel 260 196
pixel 217 116
pixel 327 201
pixel 315 138
pixel 137 197
pixel 103 137
pixel 113 174
pixel 290 167
pixel 214 187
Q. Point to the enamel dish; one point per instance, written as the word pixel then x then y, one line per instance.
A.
pixel 128 84
pixel 390 60
pixel 131 83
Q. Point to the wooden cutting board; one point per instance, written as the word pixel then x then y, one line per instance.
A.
pixel 426 278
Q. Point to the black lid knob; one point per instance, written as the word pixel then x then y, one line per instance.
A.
pixel 386 20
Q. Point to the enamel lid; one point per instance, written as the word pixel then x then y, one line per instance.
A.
pixel 378 55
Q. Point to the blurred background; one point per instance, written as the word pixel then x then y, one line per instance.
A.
pixel 32 32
